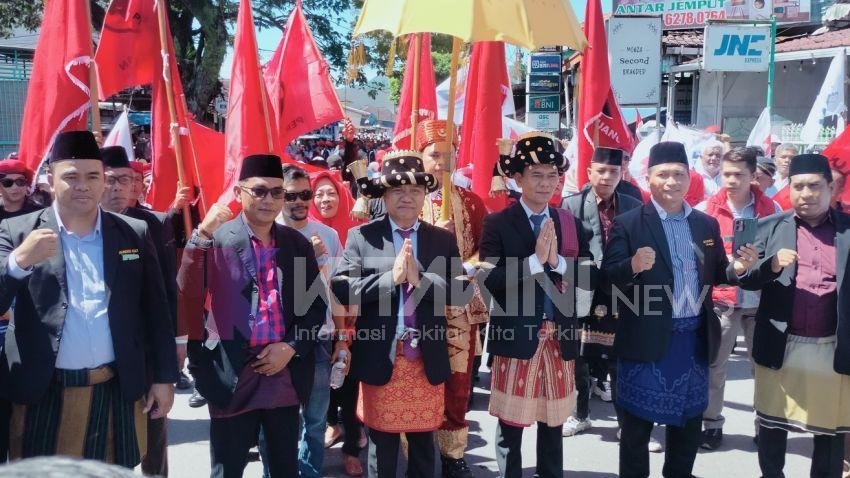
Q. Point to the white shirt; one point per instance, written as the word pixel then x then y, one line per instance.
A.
pixel 86 339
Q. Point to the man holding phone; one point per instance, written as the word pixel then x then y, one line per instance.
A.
pixel 737 207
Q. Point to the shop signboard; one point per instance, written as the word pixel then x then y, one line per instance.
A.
pixel 545 63
pixel 544 103
pixel 736 47
pixel 634 46
pixel 544 83
pixel 543 121
pixel 678 14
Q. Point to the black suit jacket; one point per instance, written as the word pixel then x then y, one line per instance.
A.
pixel 364 277
pixel 162 235
pixel 779 231
pixel 643 333
pixel 583 206
pixel 227 274
pixel 138 311
pixel 507 284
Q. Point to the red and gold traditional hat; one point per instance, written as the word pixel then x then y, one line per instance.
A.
pixel 432 131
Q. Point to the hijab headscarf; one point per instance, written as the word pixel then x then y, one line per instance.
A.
pixel 342 222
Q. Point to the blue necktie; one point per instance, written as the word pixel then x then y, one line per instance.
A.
pixel 540 294
pixel 537 220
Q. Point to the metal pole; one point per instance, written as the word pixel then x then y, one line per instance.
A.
pixel 771 67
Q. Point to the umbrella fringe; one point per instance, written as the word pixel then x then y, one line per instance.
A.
pixel 356 59
pixel 390 68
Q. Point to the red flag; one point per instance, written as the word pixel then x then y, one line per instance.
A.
pixel 58 93
pixel 209 157
pixel 427 91
pixel 638 120
pixel 249 127
pixel 298 80
pixel 599 117
pixel 163 154
pixel 838 153
pixel 482 117
pixel 128 52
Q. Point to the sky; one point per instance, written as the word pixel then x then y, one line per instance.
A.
pixel 268 39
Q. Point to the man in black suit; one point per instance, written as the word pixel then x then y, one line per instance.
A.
pixel 801 343
pixel 402 273
pixel 116 199
pixel 596 206
pixel 252 358
pixel 668 331
pixel 535 256
pixel 91 334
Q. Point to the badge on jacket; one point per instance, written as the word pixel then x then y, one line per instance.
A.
pixel 708 243
pixel 129 254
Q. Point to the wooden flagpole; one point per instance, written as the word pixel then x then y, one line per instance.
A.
pixel 161 5
pixel 446 209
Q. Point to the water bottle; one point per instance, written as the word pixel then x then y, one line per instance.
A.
pixel 338 370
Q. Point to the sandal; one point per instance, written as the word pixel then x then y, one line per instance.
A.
pixel 353 467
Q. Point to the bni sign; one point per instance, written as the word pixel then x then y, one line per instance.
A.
pixel 736 47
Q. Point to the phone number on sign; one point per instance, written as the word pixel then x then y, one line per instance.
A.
pixel 692 18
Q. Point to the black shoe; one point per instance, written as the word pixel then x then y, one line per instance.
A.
pixel 711 439
pixel 184 382
pixel 196 400
pixel 455 468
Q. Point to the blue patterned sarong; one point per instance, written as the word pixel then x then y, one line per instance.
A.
pixel 673 389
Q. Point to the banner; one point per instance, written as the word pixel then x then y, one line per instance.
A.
pixel 696 13
pixel 736 48
pixel 634 46
pixel 829 108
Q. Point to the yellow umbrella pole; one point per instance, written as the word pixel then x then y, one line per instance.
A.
pixel 446 209
pixel 414 106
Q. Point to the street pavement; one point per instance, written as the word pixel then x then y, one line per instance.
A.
pixel 591 454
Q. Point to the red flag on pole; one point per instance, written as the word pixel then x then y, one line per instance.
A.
pixel 209 156
pixel 249 125
pixel 482 117
pixel 838 153
pixel 128 52
pixel 298 81
pixel 163 156
pixel 600 119
pixel 427 91
pixel 58 93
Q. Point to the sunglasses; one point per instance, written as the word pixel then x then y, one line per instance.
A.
pixel 304 195
pixel 123 180
pixel 260 192
pixel 7 183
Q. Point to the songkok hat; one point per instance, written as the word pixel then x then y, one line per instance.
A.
pixel 668 152
pixel 114 157
pixel 261 166
pixel 433 131
pixel 810 164
pixel 610 156
pixel 74 145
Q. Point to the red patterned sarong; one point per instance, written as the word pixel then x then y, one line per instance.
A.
pixel 541 389
pixel 408 403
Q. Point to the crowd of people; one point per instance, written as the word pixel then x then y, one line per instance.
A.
pixel 302 325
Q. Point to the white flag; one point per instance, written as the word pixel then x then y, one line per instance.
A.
pixel 508 107
pixel 120 135
pixel 640 160
pixel 830 102
pixel 692 138
pixel 761 135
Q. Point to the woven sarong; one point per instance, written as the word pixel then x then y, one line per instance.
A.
pixel 408 403
pixel 83 415
pixel 541 389
pixel 806 394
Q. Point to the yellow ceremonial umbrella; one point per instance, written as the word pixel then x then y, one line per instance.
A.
pixel 526 23
pixel 530 24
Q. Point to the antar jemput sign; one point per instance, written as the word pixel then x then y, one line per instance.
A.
pixel 736 48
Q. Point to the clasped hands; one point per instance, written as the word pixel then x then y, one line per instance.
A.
pixel 546 248
pixel 405 268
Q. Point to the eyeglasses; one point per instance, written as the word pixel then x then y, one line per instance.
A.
pixel 122 180
pixel 304 195
pixel 260 192
pixel 7 183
